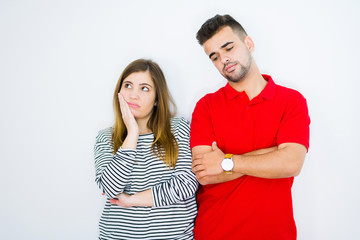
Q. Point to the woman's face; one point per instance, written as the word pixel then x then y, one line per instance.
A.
pixel 139 92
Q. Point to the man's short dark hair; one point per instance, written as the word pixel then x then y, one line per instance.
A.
pixel 215 24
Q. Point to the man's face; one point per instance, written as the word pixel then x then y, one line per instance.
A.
pixel 230 55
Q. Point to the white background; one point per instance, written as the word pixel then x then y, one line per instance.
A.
pixel 60 61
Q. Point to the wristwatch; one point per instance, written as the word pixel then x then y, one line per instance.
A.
pixel 227 163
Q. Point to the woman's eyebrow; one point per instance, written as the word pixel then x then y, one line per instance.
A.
pixel 146 84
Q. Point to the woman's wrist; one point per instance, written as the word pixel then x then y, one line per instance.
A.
pixel 130 141
pixel 141 199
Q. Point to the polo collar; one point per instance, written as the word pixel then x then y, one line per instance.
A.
pixel 267 93
pixel 232 93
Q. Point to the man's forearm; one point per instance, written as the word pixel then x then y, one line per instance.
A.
pixel 284 162
pixel 261 151
pixel 224 177
pixel 220 178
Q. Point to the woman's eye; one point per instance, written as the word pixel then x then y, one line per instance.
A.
pixel 229 48
pixel 126 85
pixel 146 89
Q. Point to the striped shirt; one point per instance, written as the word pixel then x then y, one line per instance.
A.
pixel 132 171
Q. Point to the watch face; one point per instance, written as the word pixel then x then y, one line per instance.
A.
pixel 227 164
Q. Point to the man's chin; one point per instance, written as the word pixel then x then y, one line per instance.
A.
pixel 236 77
pixel 233 79
pixel 232 76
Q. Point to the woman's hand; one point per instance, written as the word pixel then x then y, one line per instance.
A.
pixel 127 116
pixel 140 199
pixel 132 127
pixel 123 200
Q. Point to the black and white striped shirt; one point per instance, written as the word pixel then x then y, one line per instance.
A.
pixel 133 171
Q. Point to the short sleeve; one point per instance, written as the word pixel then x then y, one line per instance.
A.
pixel 202 132
pixel 295 124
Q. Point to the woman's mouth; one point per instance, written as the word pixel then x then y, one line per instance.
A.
pixel 133 105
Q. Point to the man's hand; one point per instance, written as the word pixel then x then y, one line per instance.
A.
pixel 205 164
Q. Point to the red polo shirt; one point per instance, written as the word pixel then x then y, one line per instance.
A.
pixel 248 207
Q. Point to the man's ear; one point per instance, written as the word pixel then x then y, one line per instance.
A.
pixel 249 43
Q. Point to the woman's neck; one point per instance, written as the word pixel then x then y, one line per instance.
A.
pixel 143 128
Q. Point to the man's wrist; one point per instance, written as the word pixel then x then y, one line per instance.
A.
pixel 227 163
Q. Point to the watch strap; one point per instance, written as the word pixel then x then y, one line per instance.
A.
pixel 229 156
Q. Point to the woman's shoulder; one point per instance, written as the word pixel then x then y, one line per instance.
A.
pixel 104 135
pixel 179 122
pixel 180 126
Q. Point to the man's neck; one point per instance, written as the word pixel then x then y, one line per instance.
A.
pixel 253 83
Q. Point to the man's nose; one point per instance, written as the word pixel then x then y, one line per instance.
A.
pixel 225 59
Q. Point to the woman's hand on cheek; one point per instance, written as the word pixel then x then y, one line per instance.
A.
pixel 127 116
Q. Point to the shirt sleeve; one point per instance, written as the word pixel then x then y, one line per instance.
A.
pixel 183 183
pixel 295 124
pixel 202 132
pixel 112 171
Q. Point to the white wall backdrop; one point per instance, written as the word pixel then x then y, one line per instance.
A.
pixel 59 63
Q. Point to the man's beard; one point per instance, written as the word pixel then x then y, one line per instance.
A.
pixel 242 72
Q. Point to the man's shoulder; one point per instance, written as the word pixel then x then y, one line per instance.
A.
pixel 288 93
pixel 214 96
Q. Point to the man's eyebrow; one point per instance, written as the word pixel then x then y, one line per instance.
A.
pixel 223 46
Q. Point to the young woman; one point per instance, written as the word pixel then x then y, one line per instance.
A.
pixel 143 162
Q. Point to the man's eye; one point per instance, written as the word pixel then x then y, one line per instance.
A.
pixel 228 49
pixel 146 89
pixel 214 59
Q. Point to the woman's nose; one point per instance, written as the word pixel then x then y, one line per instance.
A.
pixel 134 94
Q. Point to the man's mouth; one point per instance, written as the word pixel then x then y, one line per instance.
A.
pixel 230 67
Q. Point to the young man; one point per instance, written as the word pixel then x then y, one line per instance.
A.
pixel 249 139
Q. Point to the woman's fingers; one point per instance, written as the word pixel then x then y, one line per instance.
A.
pixel 127 116
pixel 114 201
pixel 123 105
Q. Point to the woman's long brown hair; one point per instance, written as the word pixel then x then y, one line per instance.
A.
pixel 164 145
